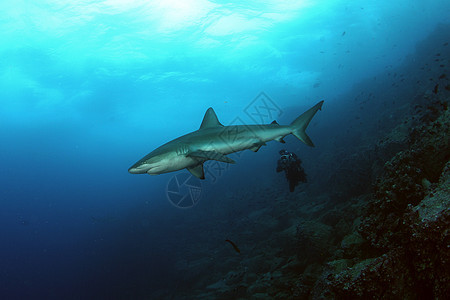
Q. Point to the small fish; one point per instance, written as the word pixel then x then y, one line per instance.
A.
pixel 234 246
pixel 343 33
pixel 442 76
pixel 436 89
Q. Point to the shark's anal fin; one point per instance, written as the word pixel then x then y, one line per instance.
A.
pixel 210 155
pixel 256 146
pixel 197 171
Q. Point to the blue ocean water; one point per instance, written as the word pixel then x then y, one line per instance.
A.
pixel 87 88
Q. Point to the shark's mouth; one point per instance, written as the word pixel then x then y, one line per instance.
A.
pixel 154 169
pixel 141 169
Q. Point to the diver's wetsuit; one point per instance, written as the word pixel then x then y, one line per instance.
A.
pixel 291 164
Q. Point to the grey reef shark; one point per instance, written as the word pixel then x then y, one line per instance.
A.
pixel 213 141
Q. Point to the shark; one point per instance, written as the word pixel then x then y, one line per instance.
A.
pixel 214 141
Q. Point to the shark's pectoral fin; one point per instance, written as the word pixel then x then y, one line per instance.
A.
pixel 256 146
pixel 197 171
pixel 211 155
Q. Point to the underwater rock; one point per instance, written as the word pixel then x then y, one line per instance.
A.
pixel 313 241
pixel 351 240
pixel 339 265
pixel 219 285
pixel 260 296
pixel 402 183
pixel 437 200
pixel 419 269
pixel 258 264
pixel 258 288
pixel 234 277
pixel 409 223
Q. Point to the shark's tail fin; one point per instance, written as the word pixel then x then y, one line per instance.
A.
pixel 299 125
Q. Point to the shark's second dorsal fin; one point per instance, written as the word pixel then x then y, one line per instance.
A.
pixel 210 119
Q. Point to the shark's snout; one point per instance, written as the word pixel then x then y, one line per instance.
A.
pixel 139 169
pixel 136 171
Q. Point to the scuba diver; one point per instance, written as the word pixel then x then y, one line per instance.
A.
pixel 291 164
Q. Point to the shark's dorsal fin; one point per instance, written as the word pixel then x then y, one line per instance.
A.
pixel 274 122
pixel 210 119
